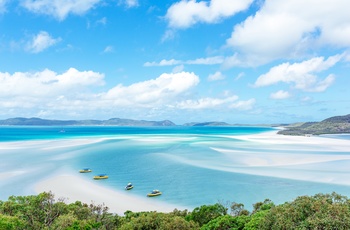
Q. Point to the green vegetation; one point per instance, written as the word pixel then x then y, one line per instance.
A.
pixel 332 125
pixel 321 211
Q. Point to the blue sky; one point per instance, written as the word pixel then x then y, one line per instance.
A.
pixel 238 61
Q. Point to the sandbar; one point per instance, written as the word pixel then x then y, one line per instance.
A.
pixel 74 188
pixel 317 142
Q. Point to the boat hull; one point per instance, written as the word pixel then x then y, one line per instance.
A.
pixel 156 194
pixel 100 177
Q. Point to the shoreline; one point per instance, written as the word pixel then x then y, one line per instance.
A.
pixel 271 137
pixel 74 188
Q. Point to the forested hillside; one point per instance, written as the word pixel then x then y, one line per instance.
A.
pixel 321 211
pixel 332 125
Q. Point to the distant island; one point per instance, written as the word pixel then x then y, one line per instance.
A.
pixel 34 121
pixel 113 121
pixel 332 125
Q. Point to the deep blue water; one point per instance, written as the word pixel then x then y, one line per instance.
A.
pixel 182 162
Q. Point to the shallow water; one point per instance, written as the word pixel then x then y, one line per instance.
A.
pixel 192 166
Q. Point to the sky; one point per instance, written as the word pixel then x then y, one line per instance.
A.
pixel 236 61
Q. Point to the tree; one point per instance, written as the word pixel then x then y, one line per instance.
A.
pixel 256 220
pixel 156 221
pixel 227 222
pixel 321 211
pixel 206 213
pixel 11 223
pixel 64 222
pixel 237 209
pixel 37 211
pixel 265 205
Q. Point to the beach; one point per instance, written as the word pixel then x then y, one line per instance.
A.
pixel 73 188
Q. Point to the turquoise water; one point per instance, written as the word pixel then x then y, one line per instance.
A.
pixel 20 133
pixel 183 162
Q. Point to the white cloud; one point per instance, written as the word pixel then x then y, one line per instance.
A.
pixel 164 63
pixel 186 13
pixel 41 41
pixel 206 61
pixel 168 35
pixel 205 103
pixel 323 85
pixel 280 94
pixel 50 93
pixel 200 61
pixel 73 77
pixel 109 49
pixel 75 94
pixel 216 76
pixel 163 89
pixel 244 105
pixel 39 88
pixel 215 103
pixel 178 69
pixel 58 8
pixel 131 3
pixel 233 60
pixel 288 29
pixel 347 56
pixel 239 76
pixel 301 75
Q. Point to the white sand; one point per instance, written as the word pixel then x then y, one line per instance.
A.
pixel 308 158
pixel 317 142
pixel 75 188
pixel 313 159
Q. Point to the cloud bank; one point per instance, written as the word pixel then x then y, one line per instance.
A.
pixel 301 75
pixel 73 93
pixel 155 92
pixel 288 29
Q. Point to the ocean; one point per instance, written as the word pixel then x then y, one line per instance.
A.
pixel 192 166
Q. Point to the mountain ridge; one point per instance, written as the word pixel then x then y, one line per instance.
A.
pixel 34 121
pixel 331 125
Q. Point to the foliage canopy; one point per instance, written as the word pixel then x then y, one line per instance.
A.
pixel 321 211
